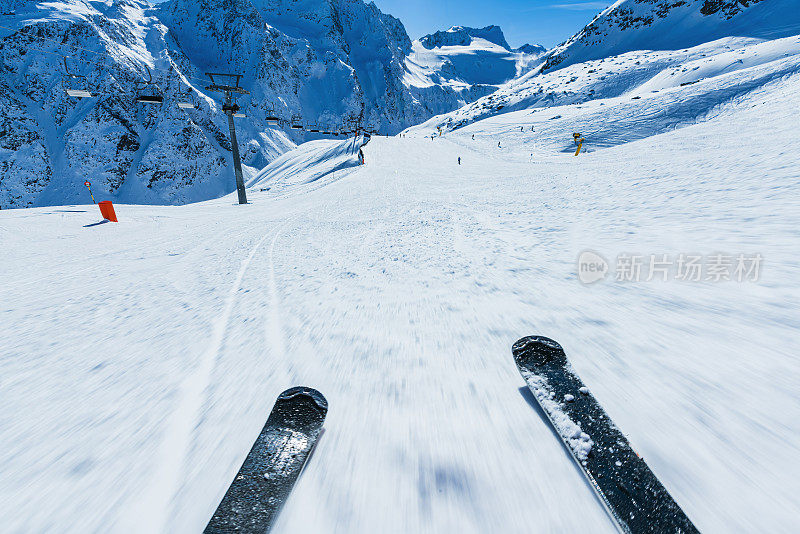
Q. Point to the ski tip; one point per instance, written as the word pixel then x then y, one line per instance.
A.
pixel 318 398
pixel 537 351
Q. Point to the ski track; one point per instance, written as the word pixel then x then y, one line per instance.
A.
pixel 154 511
pixel 273 325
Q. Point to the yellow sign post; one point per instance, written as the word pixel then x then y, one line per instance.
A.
pixel 578 141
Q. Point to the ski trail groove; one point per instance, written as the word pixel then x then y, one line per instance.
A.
pixel 273 329
pixel 182 421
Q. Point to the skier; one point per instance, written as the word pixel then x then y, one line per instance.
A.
pixel 361 156
pixel 459 160
pixel 498 145
pixel 473 137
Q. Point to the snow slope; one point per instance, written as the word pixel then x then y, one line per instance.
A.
pixel 141 358
pixel 629 25
pixel 697 79
pixel 316 165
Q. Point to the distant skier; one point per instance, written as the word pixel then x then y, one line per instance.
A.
pixel 361 156
pixel 473 137
pixel 459 160
pixel 498 145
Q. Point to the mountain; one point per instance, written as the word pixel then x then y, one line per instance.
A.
pixel 50 143
pixel 471 62
pixel 536 50
pixel 327 62
pixel 672 24
pixel 748 47
pixel 462 36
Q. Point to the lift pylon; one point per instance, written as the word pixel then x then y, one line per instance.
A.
pixel 231 109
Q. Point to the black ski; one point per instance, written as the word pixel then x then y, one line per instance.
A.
pixel 631 493
pixel 273 465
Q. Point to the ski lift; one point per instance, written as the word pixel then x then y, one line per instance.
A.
pixel 74 81
pixel 272 119
pixel 151 96
pixel 186 101
pixel 297 122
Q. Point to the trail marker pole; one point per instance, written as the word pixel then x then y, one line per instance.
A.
pixel 88 184
pixel 231 109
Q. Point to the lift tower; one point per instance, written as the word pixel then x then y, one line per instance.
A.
pixel 231 109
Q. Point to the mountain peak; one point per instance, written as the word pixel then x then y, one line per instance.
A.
pixel 463 36
pixel 528 48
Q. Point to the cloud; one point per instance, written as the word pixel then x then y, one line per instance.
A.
pixel 583 6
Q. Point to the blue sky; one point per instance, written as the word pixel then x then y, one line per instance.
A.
pixel 546 22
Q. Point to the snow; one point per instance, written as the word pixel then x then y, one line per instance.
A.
pixel 579 442
pixel 630 25
pixel 464 59
pixel 140 359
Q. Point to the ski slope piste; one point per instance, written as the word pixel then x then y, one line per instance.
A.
pixel 141 359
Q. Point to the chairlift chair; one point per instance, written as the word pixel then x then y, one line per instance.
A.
pixel 151 94
pixel 297 122
pixel 73 81
pixel 272 119
pixel 186 101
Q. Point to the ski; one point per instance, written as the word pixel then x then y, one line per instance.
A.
pixel 273 465
pixel 631 493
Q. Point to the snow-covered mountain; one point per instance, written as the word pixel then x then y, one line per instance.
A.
pixel 463 36
pixel 470 62
pixel 648 47
pixel 327 62
pixel 630 25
